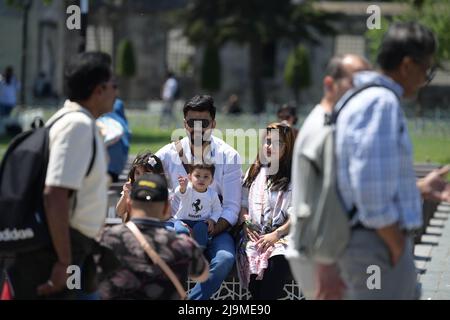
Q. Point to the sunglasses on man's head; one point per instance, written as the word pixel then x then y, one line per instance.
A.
pixel 205 123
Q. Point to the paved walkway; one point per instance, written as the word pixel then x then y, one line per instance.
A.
pixel 433 256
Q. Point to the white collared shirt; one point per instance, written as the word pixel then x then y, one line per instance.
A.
pixel 227 178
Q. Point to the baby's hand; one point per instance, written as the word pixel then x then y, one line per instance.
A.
pixel 183 181
pixel 211 225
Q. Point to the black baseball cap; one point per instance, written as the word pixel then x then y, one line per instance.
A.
pixel 150 187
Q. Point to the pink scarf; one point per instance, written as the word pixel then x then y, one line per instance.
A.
pixel 251 260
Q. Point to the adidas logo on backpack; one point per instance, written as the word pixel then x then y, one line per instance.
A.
pixel 15 235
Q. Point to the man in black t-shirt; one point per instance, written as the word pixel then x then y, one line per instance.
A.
pixel 130 273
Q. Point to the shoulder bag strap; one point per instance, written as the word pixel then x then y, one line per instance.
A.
pixel 156 258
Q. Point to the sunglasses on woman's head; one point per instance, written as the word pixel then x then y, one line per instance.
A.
pixel 205 123
pixel 283 129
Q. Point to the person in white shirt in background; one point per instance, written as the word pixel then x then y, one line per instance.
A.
pixel 169 95
pixel 200 207
pixel 200 146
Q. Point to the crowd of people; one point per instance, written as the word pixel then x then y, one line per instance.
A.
pixel 189 211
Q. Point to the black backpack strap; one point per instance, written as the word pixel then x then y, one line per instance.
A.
pixel 349 95
pixel 94 151
pixel 94 144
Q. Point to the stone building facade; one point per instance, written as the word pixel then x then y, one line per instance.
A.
pixel 159 45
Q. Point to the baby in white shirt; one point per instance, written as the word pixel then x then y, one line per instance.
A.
pixel 200 206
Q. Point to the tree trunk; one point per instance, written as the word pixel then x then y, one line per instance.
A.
pixel 296 93
pixel 84 25
pixel 26 11
pixel 256 63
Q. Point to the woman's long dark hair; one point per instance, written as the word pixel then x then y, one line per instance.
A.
pixel 142 160
pixel 281 179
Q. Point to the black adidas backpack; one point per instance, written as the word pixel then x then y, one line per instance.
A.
pixel 23 171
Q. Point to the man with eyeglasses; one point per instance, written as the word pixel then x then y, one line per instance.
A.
pixel 375 171
pixel 200 146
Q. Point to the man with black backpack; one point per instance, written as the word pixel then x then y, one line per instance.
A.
pixel 75 193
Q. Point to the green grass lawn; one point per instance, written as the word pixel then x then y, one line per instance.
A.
pixel 431 142
pixel 431 149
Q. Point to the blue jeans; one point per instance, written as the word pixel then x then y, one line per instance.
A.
pixel 88 296
pixel 199 230
pixel 220 251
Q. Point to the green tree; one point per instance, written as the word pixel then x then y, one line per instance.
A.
pixel 297 71
pixel 126 61
pixel 211 68
pixel 254 23
pixel 435 14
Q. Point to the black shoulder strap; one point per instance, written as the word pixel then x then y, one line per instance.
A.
pixel 94 150
pixel 349 95
pixel 94 144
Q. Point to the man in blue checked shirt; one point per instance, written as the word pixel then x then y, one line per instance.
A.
pixel 375 168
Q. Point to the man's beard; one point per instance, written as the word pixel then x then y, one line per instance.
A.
pixel 204 139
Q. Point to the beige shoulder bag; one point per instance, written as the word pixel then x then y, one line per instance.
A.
pixel 157 259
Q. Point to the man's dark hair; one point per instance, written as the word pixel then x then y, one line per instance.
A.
pixel 200 103
pixel 335 68
pixel 84 73
pixel 406 39
pixel 287 111
pixel 143 160
pixel 210 167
